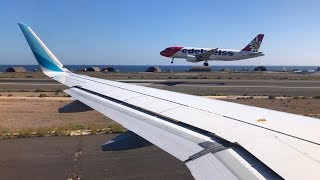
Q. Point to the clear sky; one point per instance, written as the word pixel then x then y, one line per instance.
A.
pixel 127 32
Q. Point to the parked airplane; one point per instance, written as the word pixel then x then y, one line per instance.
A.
pixel 215 139
pixel 194 55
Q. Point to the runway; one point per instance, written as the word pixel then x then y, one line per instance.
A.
pixel 80 156
pixel 231 83
pixel 198 87
pixel 26 84
pixel 240 87
pixel 236 87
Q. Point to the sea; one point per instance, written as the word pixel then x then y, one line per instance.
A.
pixel 173 68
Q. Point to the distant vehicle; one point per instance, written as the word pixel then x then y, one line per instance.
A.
pixel 192 54
pixel 296 71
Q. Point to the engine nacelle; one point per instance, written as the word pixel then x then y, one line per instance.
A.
pixel 191 58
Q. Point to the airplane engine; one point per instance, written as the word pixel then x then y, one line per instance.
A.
pixel 191 58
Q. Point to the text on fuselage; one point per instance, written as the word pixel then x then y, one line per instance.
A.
pixel 200 51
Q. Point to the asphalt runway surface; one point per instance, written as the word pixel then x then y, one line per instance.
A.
pixel 198 87
pixel 15 84
pixel 80 156
pixel 239 87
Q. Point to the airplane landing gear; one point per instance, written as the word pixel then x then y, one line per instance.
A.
pixel 206 63
pixel 172 61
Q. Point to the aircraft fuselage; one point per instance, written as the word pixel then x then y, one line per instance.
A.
pixel 219 55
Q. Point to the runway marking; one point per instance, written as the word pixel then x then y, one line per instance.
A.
pixel 224 86
pixel 32 84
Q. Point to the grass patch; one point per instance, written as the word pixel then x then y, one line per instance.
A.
pixel 63 130
pixel 116 128
pixel 78 127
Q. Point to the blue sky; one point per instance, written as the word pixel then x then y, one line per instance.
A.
pixel 134 32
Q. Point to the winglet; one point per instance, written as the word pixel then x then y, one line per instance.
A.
pixel 254 45
pixel 47 61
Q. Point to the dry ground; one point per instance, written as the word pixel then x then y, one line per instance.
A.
pixel 34 114
pixel 180 75
pixel 26 115
pixel 307 107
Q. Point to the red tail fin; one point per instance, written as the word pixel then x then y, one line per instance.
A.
pixel 254 45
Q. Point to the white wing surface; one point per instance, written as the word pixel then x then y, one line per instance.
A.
pixel 215 139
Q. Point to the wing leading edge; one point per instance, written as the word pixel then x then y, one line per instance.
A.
pixel 215 139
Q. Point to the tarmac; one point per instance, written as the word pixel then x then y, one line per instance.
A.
pixel 81 157
pixel 308 88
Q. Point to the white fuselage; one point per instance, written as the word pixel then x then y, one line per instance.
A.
pixel 220 55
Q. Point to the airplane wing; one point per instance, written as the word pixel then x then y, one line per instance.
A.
pixel 215 139
pixel 206 55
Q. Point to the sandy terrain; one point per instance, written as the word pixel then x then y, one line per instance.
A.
pixel 307 107
pixel 180 75
pixel 28 114
pixel 41 114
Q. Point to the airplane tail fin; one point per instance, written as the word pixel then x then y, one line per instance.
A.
pixel 254 45
pixel 47 61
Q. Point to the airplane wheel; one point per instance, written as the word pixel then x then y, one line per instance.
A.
pixel 206 64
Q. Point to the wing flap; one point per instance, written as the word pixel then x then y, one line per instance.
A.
pixel 209 167
pixel 274 152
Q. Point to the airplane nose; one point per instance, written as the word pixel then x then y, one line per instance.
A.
pixel 162 53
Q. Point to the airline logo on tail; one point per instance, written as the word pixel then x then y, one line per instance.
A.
pixel 254 45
